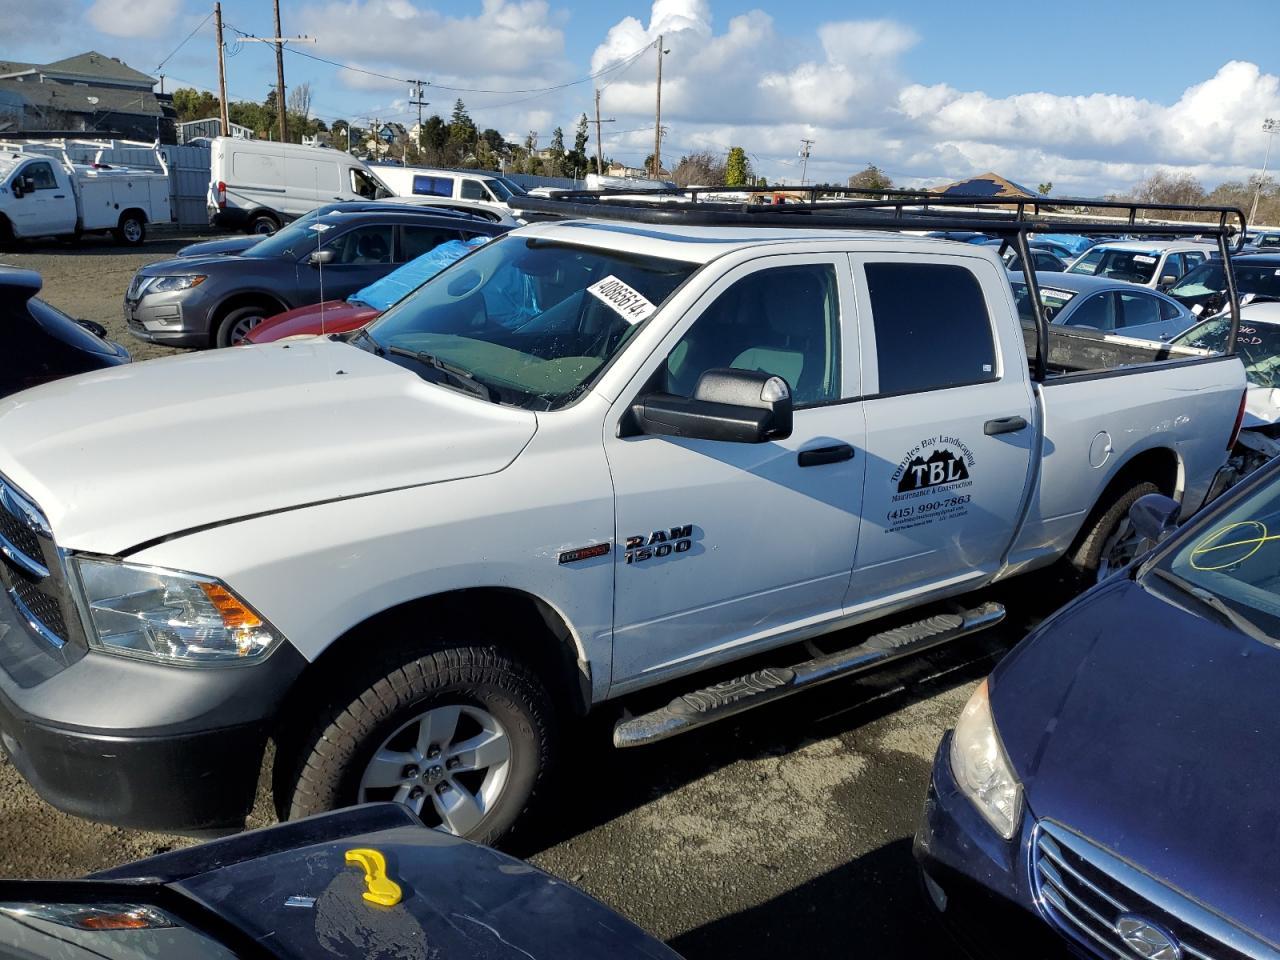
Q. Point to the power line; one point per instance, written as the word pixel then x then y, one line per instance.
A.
pixel 173 53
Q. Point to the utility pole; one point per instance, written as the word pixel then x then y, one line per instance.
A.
pixel 415 99
pixel 222 73
pixel 657 117
pixel 1269 127
pixel 804 155
pixel 280 109
pixel 599 155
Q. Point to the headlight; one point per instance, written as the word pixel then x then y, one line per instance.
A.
pixel 170 616
pixel 981 768
pixel 171 284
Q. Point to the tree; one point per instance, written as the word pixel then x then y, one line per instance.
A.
pixel 1045 188
pixel 299 100
pixel 699 169
pixel 737 168
pixel 1166 187
pixel 870 177
pixel 577 158
pixel 192 104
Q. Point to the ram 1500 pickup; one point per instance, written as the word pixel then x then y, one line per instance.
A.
pixel 589 457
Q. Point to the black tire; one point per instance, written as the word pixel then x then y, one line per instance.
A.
pixel 1095 555
pixel 7 238
pixel 263 224
pixel 248 317
pixel 329 761
pixel 132 230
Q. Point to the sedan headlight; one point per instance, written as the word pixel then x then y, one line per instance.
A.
pixel 170 616
pixel 172 284
pixel 981 767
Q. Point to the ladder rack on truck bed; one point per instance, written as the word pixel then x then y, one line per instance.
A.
pixel 1011 218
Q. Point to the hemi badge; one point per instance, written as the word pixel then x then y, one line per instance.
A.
pixel 586 553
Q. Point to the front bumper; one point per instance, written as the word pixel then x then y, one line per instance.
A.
pixel 133 743
pixel 979 882
pixel 176 319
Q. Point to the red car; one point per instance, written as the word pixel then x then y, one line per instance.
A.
pixel 332 316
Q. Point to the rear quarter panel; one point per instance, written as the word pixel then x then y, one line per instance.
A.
pixel 1188 409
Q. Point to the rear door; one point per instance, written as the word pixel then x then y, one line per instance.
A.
pixel 722 545
pixel 1139 314
pixel 950 423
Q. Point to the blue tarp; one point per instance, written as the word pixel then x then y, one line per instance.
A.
pixel 381 294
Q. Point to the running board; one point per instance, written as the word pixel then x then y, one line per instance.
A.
pixel 696 709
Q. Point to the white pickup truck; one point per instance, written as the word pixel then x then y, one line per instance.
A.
pixel 585 459
pixel 44 196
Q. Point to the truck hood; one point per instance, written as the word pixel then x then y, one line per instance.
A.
pixel 1154 733
pixel 123 456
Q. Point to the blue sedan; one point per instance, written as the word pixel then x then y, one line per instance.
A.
pixel 1109 306
pixel 1111 787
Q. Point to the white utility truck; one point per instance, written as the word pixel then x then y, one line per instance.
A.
pixel 596 454
pixel 48 196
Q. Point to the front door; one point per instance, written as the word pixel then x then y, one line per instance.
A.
pixel 721 545
pixel 49 209
pixel 950 424
pixel 361 255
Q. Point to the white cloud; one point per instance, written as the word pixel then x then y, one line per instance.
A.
pixel 133 18
pixel 750 84
pixel 506 38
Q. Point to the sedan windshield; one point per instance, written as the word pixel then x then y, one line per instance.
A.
pixel 1232 565
pixel 533 321
pixel 1257 345
pixel 1133 266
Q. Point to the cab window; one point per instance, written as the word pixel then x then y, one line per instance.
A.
pixel 474 190
pixel 363 185
pixel 932 327
pixel 42 174
pixel 783 321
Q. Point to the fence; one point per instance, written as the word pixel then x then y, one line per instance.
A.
pixel 188 167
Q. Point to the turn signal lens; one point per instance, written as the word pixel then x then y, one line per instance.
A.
pixel 235 615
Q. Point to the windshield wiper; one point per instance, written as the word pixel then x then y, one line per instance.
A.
pixel 463 378
pixel 1218 605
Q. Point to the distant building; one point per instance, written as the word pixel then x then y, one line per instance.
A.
pixel 631 173
pixel 208 129
pixel 87 93
pixel 987 185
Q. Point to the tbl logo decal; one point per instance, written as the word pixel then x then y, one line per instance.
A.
pixel 940 467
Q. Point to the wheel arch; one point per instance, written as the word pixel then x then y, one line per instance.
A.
pixel 141 214
pixel 1159 465
pixel 522 622
pixel 244 298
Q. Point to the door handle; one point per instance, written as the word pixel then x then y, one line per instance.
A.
pixel 1004 425
pixel 816 457
pixel 59 196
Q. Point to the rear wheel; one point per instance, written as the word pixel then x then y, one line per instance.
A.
pixel 132 229
pixel 462 735
pixel 1111 541
pixel 236 324
pixel 264 224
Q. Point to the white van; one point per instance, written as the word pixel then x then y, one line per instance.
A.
pixel 259 185
pixel 479 186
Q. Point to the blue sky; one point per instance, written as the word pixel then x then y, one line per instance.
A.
pixel 1095 97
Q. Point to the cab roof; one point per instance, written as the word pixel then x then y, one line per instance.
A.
pixel 702 244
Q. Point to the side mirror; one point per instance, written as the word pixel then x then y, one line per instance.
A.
pixel 1168 280
pixel 17 188
pixel 1154 516
pixel 97 329
pixel 319 257
pixel 736 406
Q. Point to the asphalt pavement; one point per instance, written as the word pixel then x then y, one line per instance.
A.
pixel 785 831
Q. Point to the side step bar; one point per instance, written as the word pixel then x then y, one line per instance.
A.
pixel 696 709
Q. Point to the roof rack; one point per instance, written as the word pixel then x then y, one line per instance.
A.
pixel 1011 218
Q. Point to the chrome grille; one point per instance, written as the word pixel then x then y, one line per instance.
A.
pixel 30 569
pixel 1091 895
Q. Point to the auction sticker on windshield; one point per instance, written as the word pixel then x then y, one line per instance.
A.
pixel 628 302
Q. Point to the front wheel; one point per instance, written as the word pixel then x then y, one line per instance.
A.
pixel 235 326
pixel 1111 541
pixel 264 225
pixel 462 736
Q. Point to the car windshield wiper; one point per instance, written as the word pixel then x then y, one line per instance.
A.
pixel 463 378
pixel 1218 606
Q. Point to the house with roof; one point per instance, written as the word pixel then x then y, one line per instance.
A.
pixel 89 93
pixel 989 186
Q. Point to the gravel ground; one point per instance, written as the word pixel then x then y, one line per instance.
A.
pixel 785 829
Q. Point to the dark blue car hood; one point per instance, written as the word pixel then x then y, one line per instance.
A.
pixel 1156 734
